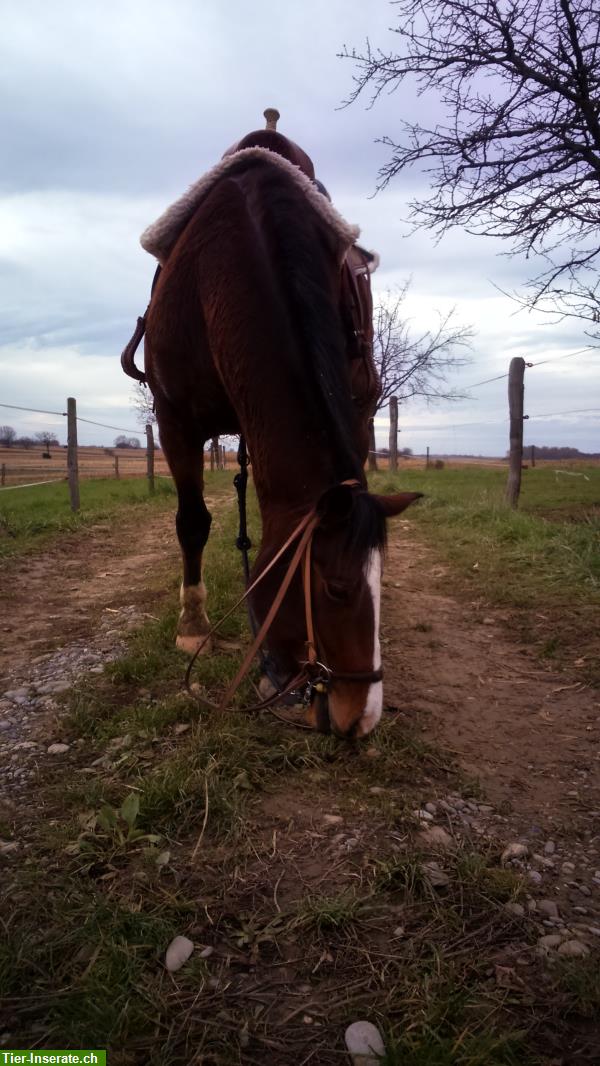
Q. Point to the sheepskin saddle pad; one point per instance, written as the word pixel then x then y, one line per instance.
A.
pixel 160 237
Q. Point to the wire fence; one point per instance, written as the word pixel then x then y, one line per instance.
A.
pixel 433 429
pixel 44 461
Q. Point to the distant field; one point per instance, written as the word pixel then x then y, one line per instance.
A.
pixel 20 466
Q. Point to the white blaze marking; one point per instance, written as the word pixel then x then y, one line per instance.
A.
pixel 374 704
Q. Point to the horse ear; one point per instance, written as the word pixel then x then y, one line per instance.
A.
pixel 394 505
pixel 336 504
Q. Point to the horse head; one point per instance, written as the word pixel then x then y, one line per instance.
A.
pixel 330 620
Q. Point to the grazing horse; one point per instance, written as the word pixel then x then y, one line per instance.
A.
pixel 250 330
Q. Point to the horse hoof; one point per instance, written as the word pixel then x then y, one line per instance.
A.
pixel 266 688
pixel 190 645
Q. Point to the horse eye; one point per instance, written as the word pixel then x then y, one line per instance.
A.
pixel 336 592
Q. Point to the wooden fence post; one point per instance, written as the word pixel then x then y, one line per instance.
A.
pixel 72 465
pixel 372 446
pixel 533 454
pixel 394 433
pixel 3 474
pixel 150 457
pixel 516 392
pixel 117 475
pixel 214 453
pixel 223 457
pixel 427 459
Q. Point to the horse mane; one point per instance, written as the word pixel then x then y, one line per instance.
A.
pixel 304 262
pixel 305 250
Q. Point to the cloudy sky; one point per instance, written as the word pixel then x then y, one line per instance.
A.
pixel 109 110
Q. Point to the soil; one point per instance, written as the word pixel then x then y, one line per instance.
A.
pixel 528 734
pixel 58 594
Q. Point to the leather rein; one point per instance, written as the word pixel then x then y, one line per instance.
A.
pixel 314 675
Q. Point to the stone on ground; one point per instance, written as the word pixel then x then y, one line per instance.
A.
pixel 364 1043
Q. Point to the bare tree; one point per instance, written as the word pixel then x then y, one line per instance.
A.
pixel 7 436
pixel 48 439
pixel 517 154
pixel 142 402
pixel 412 365
pixel 416 365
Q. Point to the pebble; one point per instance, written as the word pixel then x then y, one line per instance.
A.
pixel 435 837
pixel 549 907
pixel 423 816
pixel 549 847
pixel 535 877
pixel 333 819
pixel 58 749
pixel 178 952
pixel 568 867
pixel 8 846
pixel 48 676
pixel 573 948
pixel 364 1043
pixel 514 851
pixel 515 908
pixel 551 940
pixel 437 876
pixel 431 808
pixel 543 861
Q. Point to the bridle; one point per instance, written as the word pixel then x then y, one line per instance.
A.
pixel 315 676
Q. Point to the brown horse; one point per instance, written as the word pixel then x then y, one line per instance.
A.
pixel 249 331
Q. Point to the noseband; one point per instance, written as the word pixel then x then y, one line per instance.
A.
pixel 314 673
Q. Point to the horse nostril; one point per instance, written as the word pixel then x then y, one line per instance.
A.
pixel 345 734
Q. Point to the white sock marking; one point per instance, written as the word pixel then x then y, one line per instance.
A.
pixel 374 705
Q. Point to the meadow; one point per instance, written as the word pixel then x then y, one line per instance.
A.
pixel 292 862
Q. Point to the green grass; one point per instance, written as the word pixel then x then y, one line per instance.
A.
pixel 28 517
pixel 542 559
pixel 516 557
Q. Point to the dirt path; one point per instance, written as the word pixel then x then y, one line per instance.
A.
pixel 50 598
pixel 530 735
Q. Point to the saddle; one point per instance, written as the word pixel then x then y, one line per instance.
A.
pixel 358 264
